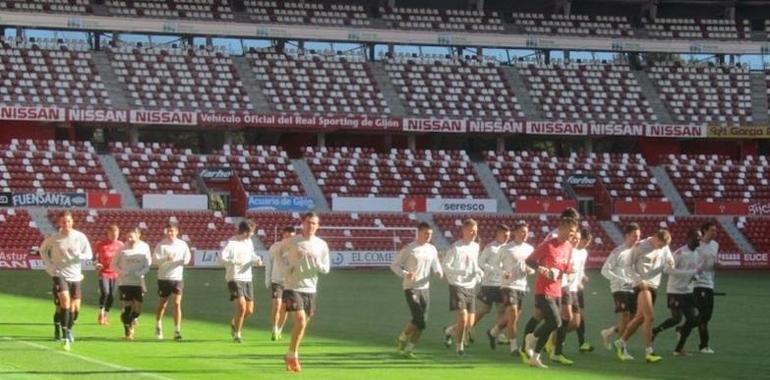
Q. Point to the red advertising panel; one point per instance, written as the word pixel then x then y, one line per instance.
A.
pixel 721 208
pixel 543 205
pixel 104 200
pixel 415 204
pixel 642 207
pixel 759 208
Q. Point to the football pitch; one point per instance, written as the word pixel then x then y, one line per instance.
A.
pixel 352 337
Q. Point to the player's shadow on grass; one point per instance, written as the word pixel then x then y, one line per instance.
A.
pixel 110 372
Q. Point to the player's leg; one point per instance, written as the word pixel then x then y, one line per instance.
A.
pixel 419 322
pixel 550 309
pixel 239 314
pixel 104 293
pixel 65 312
pixel 705 305
pixel 176 303
pixel 412 303
pixel 690 322
pixel 674 305
pixel 160 311
pixel 645 307
pixel 460 329
pixel 560 335
pixel 583 344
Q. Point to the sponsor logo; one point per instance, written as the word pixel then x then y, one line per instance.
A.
pixel 675 130
pixel 434 125
pixel 581 180
pixel 338 258
pixel 32 113
pixel 730 259
pixel 216 174
pixel 617 130
pixel 556 128
pixel 759 209
pixel 50 199
pixel 6 199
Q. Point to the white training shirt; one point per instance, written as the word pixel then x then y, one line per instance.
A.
pixel 489 261
pixel 275 265
pixel 171 257
pixel 708 254
pixel 62 255
pixel 513 257
pixel 646 263
pixel 238 256
pixel 578 264
pixel 461 265
pixel 418 259
pixel 680 274
pixel 132 264
pixel 614 269
pixel 306 259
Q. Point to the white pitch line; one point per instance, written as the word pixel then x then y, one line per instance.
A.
pixel 90 360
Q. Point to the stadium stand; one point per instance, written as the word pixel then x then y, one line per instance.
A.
pixel 200 229
pixel 574 24
pixel 54 72
pixel 51 166
pixel 300 12
pixel 691 28
pixel 179 77
pixel 318 83
pixel 453 86
pixel 599 91
pixel 704 93
pixel 442 19
pixel 52 6
pixel 360 172
pixel 755 229
pixel 343 232
pixel 526 175
pixel 156 168
pixel 190 9
pixel 718 178
pixel 262 169
pixel 17 231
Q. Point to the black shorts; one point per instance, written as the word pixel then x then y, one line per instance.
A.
pixel 240 289
pixel 513 297
pixel 167 287
pixel 418 301
pixel 130 293
pixel 296 301
pixel 550 307
pixel 461 298
pixel 276 291
pixel 61 285
pixel 569 298
pixel 680 301
pixel 581 299
pixel 625 302
pixel 703 299
pixel 490 295
pixel 653 292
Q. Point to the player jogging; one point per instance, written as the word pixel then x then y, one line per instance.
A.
pixel 644 267
pixel 679 290
pixel 238 256
pixel 489 295
pixel 275 267
pixel 513 284
pixel 62 254
pixel 104 252
pixel 614 270
pixel 132 263
pixel 550 260
pixel 414 263
pixel 462 271
pixel 704 283
pixel 171 255
pixel 307 256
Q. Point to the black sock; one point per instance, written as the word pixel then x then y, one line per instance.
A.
pixel 561 335
pixel 531 325
pixel 133 316
pixel 66 317
pixel 581 331
pixel 75 315
pixel 125 316
pixel 703 331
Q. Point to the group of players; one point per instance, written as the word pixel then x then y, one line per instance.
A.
pixel 499 271
pixel 292 275
pixel 497 277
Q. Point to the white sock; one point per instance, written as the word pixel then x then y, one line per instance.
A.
pixel 409 347
pixel 403 337
pixel 494 330
pixel 648 350
pixel 450 330
pixel 292 355
pixel 460 346
pixel 159 324
pixel 514 345
pixel 177 329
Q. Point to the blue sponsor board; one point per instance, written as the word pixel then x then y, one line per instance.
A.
pixel 279 203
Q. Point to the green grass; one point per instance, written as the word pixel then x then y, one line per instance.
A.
pixel 352 337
